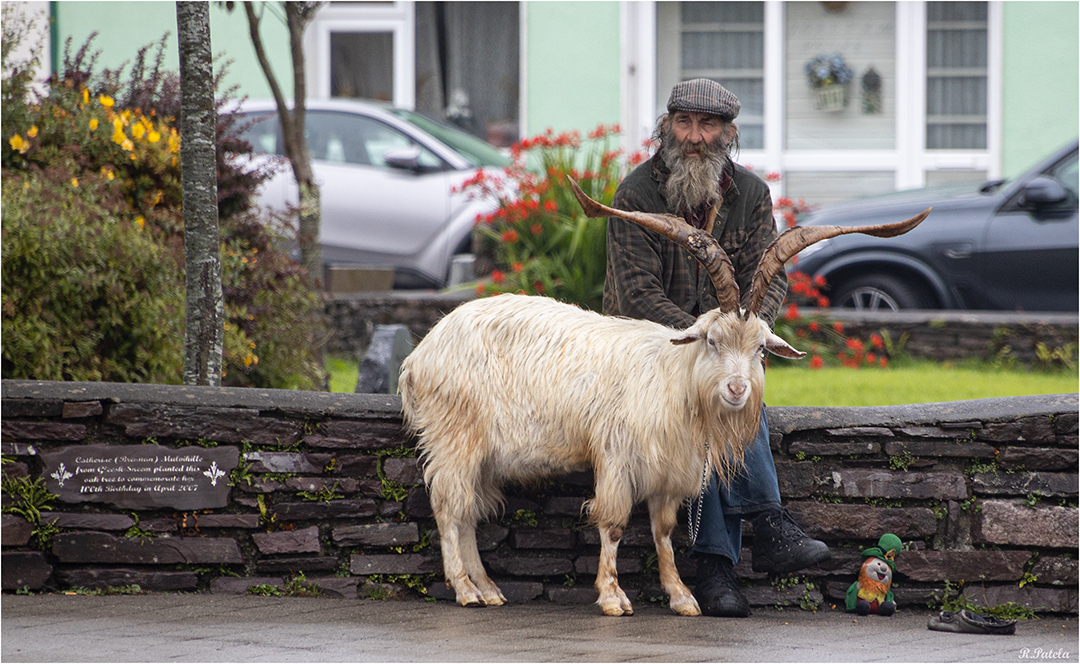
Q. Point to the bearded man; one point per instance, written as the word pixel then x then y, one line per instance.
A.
pixel 651 277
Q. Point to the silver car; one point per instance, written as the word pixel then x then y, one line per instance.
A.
pixel 387 178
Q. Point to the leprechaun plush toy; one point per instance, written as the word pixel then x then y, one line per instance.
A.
pixel 872 592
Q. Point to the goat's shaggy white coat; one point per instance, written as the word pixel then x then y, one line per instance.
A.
pixel 517 388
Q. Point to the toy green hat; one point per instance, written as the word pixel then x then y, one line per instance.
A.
pixel 886 549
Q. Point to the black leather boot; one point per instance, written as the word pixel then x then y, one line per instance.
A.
pixel 717 588
pixel 781 546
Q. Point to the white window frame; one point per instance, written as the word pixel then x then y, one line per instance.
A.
pixel 397 18
pixel 909 160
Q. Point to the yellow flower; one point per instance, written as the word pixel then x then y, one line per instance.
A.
pixel 174 141
pixel 93 124
pixel 19 143
pixel 85 96
pixel 74 182
pixel 106 101
pixel 127 145
pixel 137 131
pixel 32 132
pixel 153 136
pixel 140 221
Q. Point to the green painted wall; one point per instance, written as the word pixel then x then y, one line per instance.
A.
pixel 1041 81
pixel 571 65
pixel 125 27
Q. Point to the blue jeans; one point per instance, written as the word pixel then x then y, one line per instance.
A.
pixel 753 490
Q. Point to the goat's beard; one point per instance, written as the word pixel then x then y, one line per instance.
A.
pixel 694 182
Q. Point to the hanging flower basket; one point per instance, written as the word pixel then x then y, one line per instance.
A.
pixel 831 98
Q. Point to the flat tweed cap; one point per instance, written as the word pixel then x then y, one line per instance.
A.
pixel 703 95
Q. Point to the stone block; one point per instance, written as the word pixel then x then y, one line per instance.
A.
pixel 1039 429
pixel 377 534
pixel 488 536
pixel 337 587
pixel 297 564
pixel 635 534
pixel 94 547
pixel 117 577
pixel 232 585
pixel 1065 423
pixel 389 509
pixel 287 462
pixel 564 505
pixel 302 540
pixel 355 465
pixel 840 521
pixel 860 432
pixel 418 504
pixel 24 569
pixel 1038 458
pixel 13 430
pixel 378 373
pixel 246 521
pixel 17 449
pixel 578 595
pixel 88 521
pixel 795 479
pixel 75 409
pixel 793 596
pixel 31 408
pixel 1053 600
pixel 542 538
pixel 1021 484
pixel 815 448
pixel 591 565
pixel 860 483
pixel 404 470
pixel 1056 571
pixel 394 592
pixel 1010 522
pixel 937 448
pixel 522 566
pixel 370 488
pixel 967 566
pixel 405 563
pixel 164 525
pixel 928 432
pixel 316 484
pixel 329 443
pixel 357 508
pixel 15 530
pixel 367 435
pixel 221 425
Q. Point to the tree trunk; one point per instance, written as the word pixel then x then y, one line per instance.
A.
pixel 204 334
pixel 297 16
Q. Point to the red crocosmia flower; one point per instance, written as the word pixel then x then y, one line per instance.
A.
pixel 772 176
pixel 510 236
pixel 518 267
pixel 498 277
pixel 819 281
pixel 816 362
pixel 839 327
pixel 800 332
pixel 792 312
pixel 538 286
pixel 480 289
pixel 884 362
pixel 871 358
pixel 783 201
pixel 814 327
pixel 823 302
pixel 877 341
pixel 551 206
pixel 537 229
pixel 855 345
pixel 789 218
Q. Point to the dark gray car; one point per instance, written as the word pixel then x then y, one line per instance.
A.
pixel 1002 245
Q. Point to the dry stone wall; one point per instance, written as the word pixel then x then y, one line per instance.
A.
pixel 983 493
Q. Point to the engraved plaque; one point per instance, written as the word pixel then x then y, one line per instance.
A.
pixel 142 476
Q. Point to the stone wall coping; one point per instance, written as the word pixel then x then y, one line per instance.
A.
pixel 782 419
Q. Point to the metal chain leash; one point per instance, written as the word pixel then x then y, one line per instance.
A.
pixel 693 521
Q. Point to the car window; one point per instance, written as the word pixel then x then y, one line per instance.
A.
pixel 354 139
pixel 1068 174
pixel 261 131
pixel 476 152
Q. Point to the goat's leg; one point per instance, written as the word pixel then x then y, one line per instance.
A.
pixel 474 567
pixel 662 513
pixel 612 600
pixel 452 500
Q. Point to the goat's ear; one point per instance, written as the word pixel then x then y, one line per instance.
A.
pixel 695 332
pixel 778 346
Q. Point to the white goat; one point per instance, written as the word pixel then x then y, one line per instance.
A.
pixel 516 388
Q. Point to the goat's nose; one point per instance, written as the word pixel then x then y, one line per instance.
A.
pixel 736 389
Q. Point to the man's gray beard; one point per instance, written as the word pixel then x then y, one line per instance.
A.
pixel 694 182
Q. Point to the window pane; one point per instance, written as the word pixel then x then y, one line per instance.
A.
pixel 956 75
pixel 354 139
pixel 362 65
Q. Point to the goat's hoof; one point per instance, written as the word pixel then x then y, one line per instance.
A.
pixel 685 606
pixel 470 600
pixel 495 599
pixel 617 607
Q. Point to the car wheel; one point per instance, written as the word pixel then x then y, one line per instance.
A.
pixel 880 292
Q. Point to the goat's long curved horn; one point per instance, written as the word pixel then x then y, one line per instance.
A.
pixel 798 238
pixel 700 244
